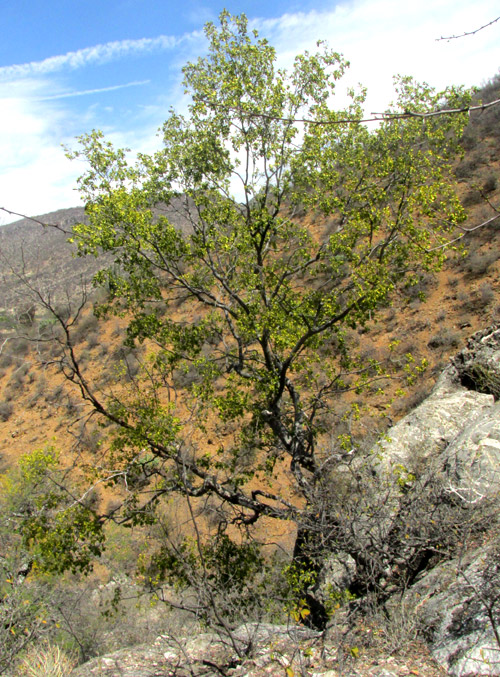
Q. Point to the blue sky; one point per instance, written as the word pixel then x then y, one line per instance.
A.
pixel 68 66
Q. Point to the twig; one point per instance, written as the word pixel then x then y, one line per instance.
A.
pixel 462 35
pixel 376 117
pixel 35 220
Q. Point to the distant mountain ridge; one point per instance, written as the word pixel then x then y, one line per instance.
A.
pixel 37 249
pixel 43 256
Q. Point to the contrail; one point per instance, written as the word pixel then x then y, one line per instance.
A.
pixel 85 92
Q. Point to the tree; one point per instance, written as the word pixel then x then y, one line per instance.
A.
pixel 42 529
pixel 216 273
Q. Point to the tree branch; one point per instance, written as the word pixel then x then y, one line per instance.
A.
pixel 463 35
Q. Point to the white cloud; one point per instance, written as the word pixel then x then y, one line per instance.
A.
pixel 34 173
pixel 382 38
pixel 40 186
pixel 379 37
pixel 99 54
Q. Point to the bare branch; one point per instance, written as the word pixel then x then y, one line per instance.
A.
pixel 463 35
pixel 375 117
pixel 35 220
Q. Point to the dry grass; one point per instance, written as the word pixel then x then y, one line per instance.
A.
pixel 47 660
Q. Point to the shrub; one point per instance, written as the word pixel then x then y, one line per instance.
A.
pixel 104 348
pixel 46 661
pixel 472 197
pixel 16 381
pixel 490 184
pixel 418 289
pixel 55 394
pixel 486 294
pixel 6 409
pixel 20 347
pixel 93 340
pixel 63 311
pixel 5 360
pixel 406 404
pixel 39 391
pixel 89 437
pixel 477 263
pixel 87 326
pixel 447 338
pixel 467 167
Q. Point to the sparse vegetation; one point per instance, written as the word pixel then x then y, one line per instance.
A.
pixel 477 263
pixel 46 660
pixel 486 294
pixel 445 339
pixel 6 410
pixel 205 428
pixel 260 356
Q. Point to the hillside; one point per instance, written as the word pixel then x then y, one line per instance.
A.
pixel 429 320
pixel 459 300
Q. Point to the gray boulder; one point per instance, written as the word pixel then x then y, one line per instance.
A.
pixel 472 460
pixel 478 364
pixel 458 604
pixel 434 424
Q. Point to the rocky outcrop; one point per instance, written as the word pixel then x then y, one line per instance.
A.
pixel 209 654
pixel 458 604
pixel 435 423
pixel 455 432
pixel 472 460
pixel 275 651
pixel 478 364
pixel 455 435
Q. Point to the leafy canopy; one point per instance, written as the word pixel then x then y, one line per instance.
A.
pixel 216 271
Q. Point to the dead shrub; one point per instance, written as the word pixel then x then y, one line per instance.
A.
pixel 393 522
pixel 472 197
pixel 406 404
pixel 419 288
pixel 87 326
pixel 6 410
pixel 446 338
pixel 18 377
pixel 486 294
pixel 6 359
pixel 55 395
pixel 477 263
pixel 467 167
pixel 89 437
pixel 490 184
pixel 93 340
pixel 47 660
pixel 19 347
